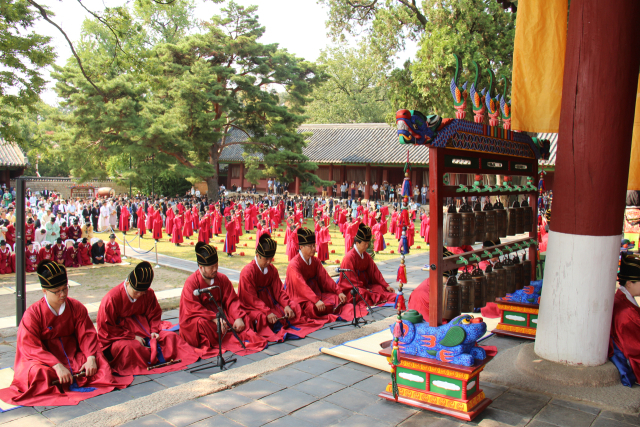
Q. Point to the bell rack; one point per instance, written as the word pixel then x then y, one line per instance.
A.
pixel 462 147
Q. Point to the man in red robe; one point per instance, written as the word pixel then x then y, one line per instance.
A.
pixel 364 273
pixel 625 326
pixel 74 231
pixel 72 256
pixel 30 230
pixel 308 284
pixel 112 252
pixel 230 239
pixel 123 224
pixel 419 298
pixel 46 252
pixel 57 340
pixel 84 255
pixel 269 310
pixel 199 313
pixel 130 329
pixel 31 258
pixel 59 251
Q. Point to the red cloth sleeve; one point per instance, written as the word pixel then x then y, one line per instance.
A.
pixel 29 341
pixel 247 289
pixel 108 330
pixel 296 284
pixel 85 332
pixel 153 312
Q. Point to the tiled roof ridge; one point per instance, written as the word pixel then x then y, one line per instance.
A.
pixel 345 126
pixel 11 155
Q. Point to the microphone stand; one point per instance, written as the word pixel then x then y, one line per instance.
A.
pixel 220 360
pixel 354 300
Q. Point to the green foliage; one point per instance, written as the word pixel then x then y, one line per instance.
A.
pixel 182 101
pixel 356 91
pixel 477 30
pixel 23 54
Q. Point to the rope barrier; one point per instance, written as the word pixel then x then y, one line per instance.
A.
pixel 141 253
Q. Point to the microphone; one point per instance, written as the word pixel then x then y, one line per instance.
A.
pixel 197 292
pixel 340 270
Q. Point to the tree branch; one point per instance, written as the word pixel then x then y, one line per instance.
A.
pixel 44 15
pixel 414 8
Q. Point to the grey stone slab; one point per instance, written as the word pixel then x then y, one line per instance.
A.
pixel 319 387
pixel 42 408
pixel 65 413
pixel 36 420
pixel 112 398
pixel 629 419
pixel 525 404
pixel 491 391
pixel 363 368
pixel 493 416
pixel 390 411
pixel 171 314
pixel 564 417
pixel 345 375
pixel 359 420
pixel 257 356
pixel 374 384
pixel 139 379
pixel 145 389
pixel 322 413
pixel 255 414
pixel 219 421
pixel 224 401
pixel 432 419
pixel 257 389
pixel 315 366
pixel 288 377
pixel 289 400
pixel 186 413
pixel 279 348
pixel 176 378
pixel 156 376
pixel 325 333
pixel 575 405
pixel 148 421
pixel 14 414
pixel 537 423
pixel 332 359
pixel 300 343
pixel 287 421
pixel 7 348
pixel 608 422
pixel 353 399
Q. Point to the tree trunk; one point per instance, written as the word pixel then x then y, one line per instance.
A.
pixel 212 181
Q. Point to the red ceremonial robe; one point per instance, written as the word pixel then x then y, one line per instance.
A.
pixel 42 255
pixel 176 235
pixel 157 226
pixel 292 244
pixel 29 230
pixel 112 253
pixel 44 340
pixel 625 328
pixel 124 219
pixel 230 239
pixel 366 277
pixel 149 223
pixel 169 222
pixel 197 314
pixel 419 299
pixel 394 223
pixel 31 260
pixel 187 228
pixel 378 244
pixel 10 235
pixel 63 234
pixel 71 257
pixel 58 253
pixel 203 232
pixel 5 261
pixel 142 228
pixel 262 294
pixel 75 232
pixel 120 321
pixel 309 283
pixel 84 254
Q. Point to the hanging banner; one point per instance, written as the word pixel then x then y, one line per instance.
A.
pixel 538 65
pixel 634 163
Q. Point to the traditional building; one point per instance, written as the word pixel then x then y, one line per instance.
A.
pixel 362 152
pixel 13 162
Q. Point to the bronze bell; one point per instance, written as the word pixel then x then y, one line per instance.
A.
pixel 451 299
pixel 510 269
pixel 501 279
pixel 501 219
pixel 468 235
pixel 452 227
pixel 479 286
pixel 519 272
pixel 481 219
pixel 526 271
pixel 490 292
pixel 467 292
pixel 490 227
pixel 519 217
pixel 527 218
pixel 512 219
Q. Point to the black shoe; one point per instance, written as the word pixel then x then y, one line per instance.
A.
pixel 177 244
pixel 324 263
pixel 229 255
pixel 157 241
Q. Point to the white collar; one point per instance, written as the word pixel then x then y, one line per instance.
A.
pixel 358 252
pixel 205 279
pixel 628 295
pixel 62 307
pixel 266 269
pixel 127 292
pixel 302 256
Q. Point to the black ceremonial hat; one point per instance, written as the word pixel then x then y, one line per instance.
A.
pixel 629 268
pixel 491 243
pixel 306 237
pixel 445 253
pixel 141 277
pixel 51 274
pixel 364 233
pixel 206 254
pixel 266 246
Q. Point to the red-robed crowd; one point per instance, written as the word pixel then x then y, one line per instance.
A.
pixel 63 359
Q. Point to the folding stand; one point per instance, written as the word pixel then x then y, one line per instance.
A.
pixel 354 300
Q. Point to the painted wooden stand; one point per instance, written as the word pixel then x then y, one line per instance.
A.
pixel 518 320
pixel 441 387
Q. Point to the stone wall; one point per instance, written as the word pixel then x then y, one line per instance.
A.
pixel 63 185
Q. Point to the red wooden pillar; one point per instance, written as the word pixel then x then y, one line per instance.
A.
pixel 218 174
pixel 229 169
pixel 594 144
pixel 367 187
pixel 297 188
pixel 344 176
pixel 331 172
pixel 242 176
pixel 435 230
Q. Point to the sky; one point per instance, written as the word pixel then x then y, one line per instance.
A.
pixel 296 25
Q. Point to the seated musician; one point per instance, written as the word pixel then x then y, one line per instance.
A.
pixel 112 254
pixel 419 298
pixel 309 284
pixel 364 273
pixel 130 330
pixel 625 326
pixel 97 252
pixel 56 341
pixel 199 313
pixel 269 310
